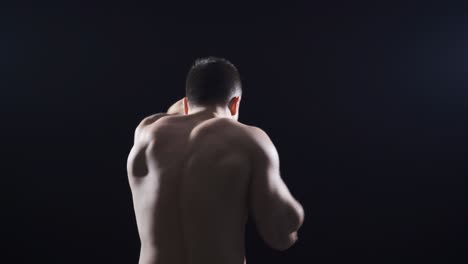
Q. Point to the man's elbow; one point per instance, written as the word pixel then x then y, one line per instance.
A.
pixel 287 235
pixel 285 243
pixel 299 216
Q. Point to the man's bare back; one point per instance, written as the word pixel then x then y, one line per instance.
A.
pixel 193 180
pixel 196 174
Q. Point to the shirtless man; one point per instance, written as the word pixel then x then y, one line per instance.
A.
pixel 196 173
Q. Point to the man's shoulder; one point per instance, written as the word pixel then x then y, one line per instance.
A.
pixel 258 140
pixel 151 119
pixel 248 131
pixel 253 140
pixel 250 135
pixel 145 125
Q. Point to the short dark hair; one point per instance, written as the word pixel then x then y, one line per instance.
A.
pixel 212 80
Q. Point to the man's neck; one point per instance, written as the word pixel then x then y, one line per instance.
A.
pixel 210 111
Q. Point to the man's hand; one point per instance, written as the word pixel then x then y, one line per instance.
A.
pixel 177 108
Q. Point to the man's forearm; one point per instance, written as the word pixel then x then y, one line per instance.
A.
pixel 177 108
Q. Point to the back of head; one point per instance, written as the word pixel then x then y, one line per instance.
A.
pixel 212 80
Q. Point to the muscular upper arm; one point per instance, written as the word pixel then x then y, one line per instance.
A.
pixel 277 214
pixel 136 161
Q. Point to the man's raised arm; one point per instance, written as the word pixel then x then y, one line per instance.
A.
pixel 277 215
pixel 177 108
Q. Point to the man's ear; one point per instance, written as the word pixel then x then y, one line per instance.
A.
pixel 185 105
pixel 234 105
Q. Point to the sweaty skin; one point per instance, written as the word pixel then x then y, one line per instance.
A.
pixel 195 179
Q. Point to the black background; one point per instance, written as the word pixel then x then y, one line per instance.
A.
pixel 366 104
